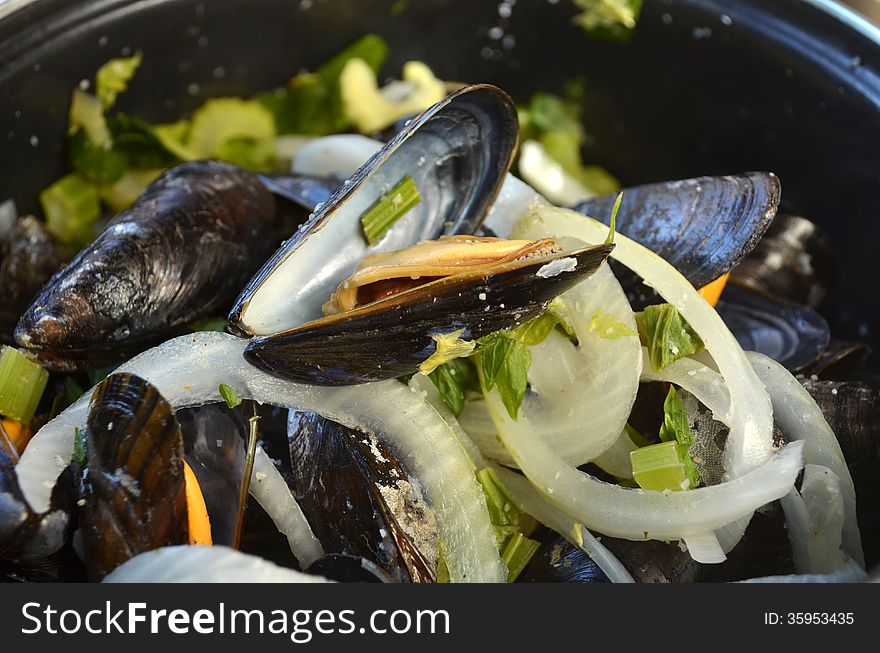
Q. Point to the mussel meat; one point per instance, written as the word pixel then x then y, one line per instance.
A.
pixel 134 485
pixel 475 286
pixel 703 226
pixel 359 500
pixel 180 253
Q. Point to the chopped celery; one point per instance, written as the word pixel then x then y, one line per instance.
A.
pixel 72 206
pixel 124 191
pixel 173 137
pixel 660 467
pixel 233 129
pixel 22 382
pixel 98 164
pixel 87 113
pixel 112 78
pixel 516 554
pixel 389 208
pixel 675 428
pixel 609 19
pixel 372 109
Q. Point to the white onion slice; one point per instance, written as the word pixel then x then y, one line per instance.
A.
pixel 204 564
pixel 851 572
pixel 814 517
pixel 334 156
pixel 705 548
pixel 188 371
pixel 637 514
pixel 532 502
pixel 580 395
pixel 750 442
pixel 543 172
pixel 616 460
pixel 800 418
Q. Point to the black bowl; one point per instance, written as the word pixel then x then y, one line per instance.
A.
pixel 703 87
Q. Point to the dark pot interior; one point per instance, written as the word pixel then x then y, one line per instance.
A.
pixel 704 86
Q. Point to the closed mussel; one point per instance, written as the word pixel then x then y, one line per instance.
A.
pixel 181 252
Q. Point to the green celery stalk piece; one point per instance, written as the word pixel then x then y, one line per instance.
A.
pixel 389 208
pixel 22 383
pixel 660 467
pixel 72 206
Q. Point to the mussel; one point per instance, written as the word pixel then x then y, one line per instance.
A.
pixel 456 152
pixel 360 502
pixel 703 226
pixel 559 561
pixel 134 483
pixel 794 260
pixel 501 284
pixel 180 253
pixel 28 258
pixel 791 334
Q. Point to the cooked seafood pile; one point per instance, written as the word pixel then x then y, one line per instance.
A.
pixel 442 374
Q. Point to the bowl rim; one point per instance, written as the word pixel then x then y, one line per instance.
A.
pixel 832 8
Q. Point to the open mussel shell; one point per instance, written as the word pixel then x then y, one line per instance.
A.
pixel 305 191
pixel 135 498
pixel 702 226
pixel 789 333
pixel 393 336
pixel 359 501
pixel 457 153
pixel 794 260
pixel 180 253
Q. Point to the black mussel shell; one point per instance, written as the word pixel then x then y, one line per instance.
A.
pixel 348 569
pixel 391 337
pixel 339 475
pixel 24 534
pixel 135 495
pixel 214 442
pixel 181 252
pixel 795 260
pixel 559 561
pixel 789 333
pixel 840 361
pixel 305 191
pixel 702 226
pixel 28 259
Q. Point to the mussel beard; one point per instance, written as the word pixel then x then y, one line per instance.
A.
pixel 359 500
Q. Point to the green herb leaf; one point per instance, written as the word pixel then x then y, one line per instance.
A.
pixel 79 448
pixel 311 103
pixel 558 309
pixel 22 382
pixel 612 229
pixel 610 327
pixel 667 335
pixel 536 330
pixel 97 164
pixel 230 396
pixel 608 19
pixel 389 208
pixel 453 380
pixel 675 428
pixel 505 365
pixel 112 78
